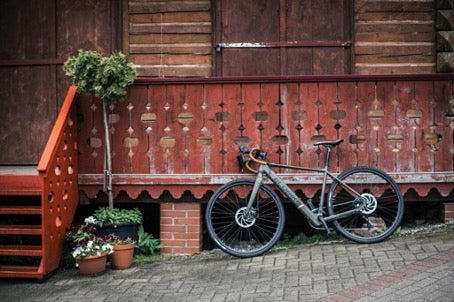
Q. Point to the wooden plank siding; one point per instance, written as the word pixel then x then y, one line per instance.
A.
pixel 170 38
pixel 394 37
pixel 36 38
pixel 183 135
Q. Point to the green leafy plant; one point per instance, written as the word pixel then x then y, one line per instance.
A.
pixel 107 215
pixel 107 78
pixel 147 245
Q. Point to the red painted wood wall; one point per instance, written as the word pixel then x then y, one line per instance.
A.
pixel 183 135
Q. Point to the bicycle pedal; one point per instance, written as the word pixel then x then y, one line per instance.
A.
pixel 310 204
pixel 325 225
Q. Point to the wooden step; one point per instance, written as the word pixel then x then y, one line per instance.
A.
pixel 21 250
pixel 11 229
pixel 21 210
pixel 19 271
pixel 20 185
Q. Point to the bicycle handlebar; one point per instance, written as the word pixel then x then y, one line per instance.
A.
pixel 254 154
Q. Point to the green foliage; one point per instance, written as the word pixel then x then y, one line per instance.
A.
pixel 147 245
pixel 104 77
pixel 106 215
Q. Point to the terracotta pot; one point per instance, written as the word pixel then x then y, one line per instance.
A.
pixel 92 265
pixel 122 256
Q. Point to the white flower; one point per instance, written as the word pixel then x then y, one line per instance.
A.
pixel 90 220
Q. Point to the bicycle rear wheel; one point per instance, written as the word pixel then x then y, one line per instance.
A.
pixel 380 200
pixel 236 232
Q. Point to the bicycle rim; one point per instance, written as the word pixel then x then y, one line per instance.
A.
pixel 380 201
pixel 236 232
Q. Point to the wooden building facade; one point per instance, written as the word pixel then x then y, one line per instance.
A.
pixel 215 74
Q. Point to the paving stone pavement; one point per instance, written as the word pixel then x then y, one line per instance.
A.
pixel 418 267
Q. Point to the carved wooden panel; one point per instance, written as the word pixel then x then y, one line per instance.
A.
pixel 195 128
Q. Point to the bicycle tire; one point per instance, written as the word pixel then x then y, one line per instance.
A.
pixel 384 208
pixel 232 231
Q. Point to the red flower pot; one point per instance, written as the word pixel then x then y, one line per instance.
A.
pixel 122 256
pixel 92 265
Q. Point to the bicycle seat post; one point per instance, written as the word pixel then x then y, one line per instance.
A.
pixel 328 153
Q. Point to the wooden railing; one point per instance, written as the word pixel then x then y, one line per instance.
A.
pixel 183 134
pixel 58 173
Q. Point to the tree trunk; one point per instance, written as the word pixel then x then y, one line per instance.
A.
pixel 108 171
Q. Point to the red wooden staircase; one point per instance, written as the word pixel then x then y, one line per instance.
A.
pixel 37 204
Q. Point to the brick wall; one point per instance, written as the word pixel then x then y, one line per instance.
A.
pixel 448 212
pixel 181 228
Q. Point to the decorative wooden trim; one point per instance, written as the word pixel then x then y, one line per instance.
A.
pixel 287 79
pixel 200 184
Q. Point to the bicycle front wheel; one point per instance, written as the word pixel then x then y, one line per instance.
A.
pixel 238 232
pixel 379 200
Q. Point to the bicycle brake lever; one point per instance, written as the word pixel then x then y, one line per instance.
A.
pixel 241 161
pixel 243 149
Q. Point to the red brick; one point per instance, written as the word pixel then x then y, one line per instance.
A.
pixel 194 228
pixel 186 221
pixel 193 214
pixel 165 236
pixel 187 206
pixel 166 206
pixel 167 250
pixel 186 236
pixel 193 243
pixel 173 243
pixel 166 220
pixel 449 207
pixel 167 213
pixel 449 215
pixel 172 228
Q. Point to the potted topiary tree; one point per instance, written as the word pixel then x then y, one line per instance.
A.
pixel 108 79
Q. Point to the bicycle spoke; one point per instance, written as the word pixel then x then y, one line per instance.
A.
pixel 380 204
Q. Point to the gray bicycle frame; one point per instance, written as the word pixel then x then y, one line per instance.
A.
pixel 265 169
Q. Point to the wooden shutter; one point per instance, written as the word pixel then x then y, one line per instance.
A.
pixel 286 37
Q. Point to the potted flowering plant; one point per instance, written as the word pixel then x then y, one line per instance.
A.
pixel 89 250
pixel 123 251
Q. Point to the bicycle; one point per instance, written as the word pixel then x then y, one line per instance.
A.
pixel 245 217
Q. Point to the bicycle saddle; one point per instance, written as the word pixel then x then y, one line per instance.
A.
pixel 329 143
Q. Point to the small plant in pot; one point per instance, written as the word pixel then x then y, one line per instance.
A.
pixel 123 251
pixel 123 223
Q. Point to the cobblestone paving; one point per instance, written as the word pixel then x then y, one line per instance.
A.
pixel 412 268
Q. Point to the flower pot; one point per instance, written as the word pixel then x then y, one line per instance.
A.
pixel 122 256
pixel 123 230
pixel 92 265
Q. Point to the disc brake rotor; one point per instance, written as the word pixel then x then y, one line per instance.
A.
pixel 243 219
pixel 369 203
